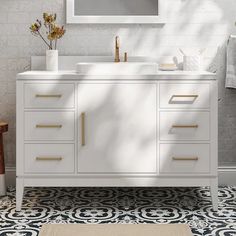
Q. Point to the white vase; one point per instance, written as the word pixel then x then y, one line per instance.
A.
pixel 52 60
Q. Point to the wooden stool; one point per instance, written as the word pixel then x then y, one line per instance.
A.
pixel 3 129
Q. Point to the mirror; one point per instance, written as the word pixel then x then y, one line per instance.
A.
pixel 116 7
pixel 114 11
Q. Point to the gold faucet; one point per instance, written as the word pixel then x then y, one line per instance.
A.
pixel 117 49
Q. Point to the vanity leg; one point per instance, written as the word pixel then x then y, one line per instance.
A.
pixel 19 192
pixel 214 193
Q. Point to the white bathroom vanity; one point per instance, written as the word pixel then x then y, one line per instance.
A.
pixel 88 130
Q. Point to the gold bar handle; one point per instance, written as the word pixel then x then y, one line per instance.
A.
pixel 48 95
pixel 49 126
pixel 185 96
pixel 185 158
pixel 185 126
pixel 48 158
pixel 83 128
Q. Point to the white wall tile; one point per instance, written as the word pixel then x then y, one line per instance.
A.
pixel 191 25
pixel 18 17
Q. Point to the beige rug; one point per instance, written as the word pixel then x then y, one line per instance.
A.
pixel 116 230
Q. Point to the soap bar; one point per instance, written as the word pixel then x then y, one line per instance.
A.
pixel 168 67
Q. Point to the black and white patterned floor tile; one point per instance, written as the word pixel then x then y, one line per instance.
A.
pixel 119 206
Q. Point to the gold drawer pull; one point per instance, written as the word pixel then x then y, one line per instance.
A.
pixel 83 128
pixel 48 158
pixel 185 126
pixel 185 158
pixel 186 100
pixel 48 95
pixel 49 126
pixel 185 96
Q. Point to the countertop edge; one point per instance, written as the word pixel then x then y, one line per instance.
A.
pixel 71 75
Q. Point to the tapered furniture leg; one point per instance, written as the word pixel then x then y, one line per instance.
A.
pixel 19 192
pixel 214 193
pixel 3 129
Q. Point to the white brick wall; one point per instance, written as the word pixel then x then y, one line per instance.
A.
pixel 191 24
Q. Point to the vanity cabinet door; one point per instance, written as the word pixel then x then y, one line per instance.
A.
pixel 117 128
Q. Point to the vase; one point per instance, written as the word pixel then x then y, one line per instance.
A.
pixel 52 60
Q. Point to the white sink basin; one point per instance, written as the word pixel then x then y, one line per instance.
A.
pixel 112 68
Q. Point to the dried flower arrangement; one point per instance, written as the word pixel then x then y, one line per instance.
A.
pixel 53 31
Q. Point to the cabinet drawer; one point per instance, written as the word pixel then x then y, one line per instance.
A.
pixel 184 126
pixel 184 95
pixel 184 158
pixel 49 158
pixel 49 96
pixel 49 126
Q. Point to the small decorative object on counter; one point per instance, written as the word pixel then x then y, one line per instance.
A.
pixel 53 33
pixel 168 67
pixel 168 64
pixel 192 62
pixel 3 129
pixel 125 57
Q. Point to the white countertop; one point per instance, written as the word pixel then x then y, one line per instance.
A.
pixel 47 75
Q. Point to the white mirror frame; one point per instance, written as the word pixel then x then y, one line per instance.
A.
pixel 71 18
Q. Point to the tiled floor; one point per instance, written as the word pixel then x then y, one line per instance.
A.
pixel 119 205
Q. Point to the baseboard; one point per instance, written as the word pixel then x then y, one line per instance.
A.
pixel 227 176
pixel 10 176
